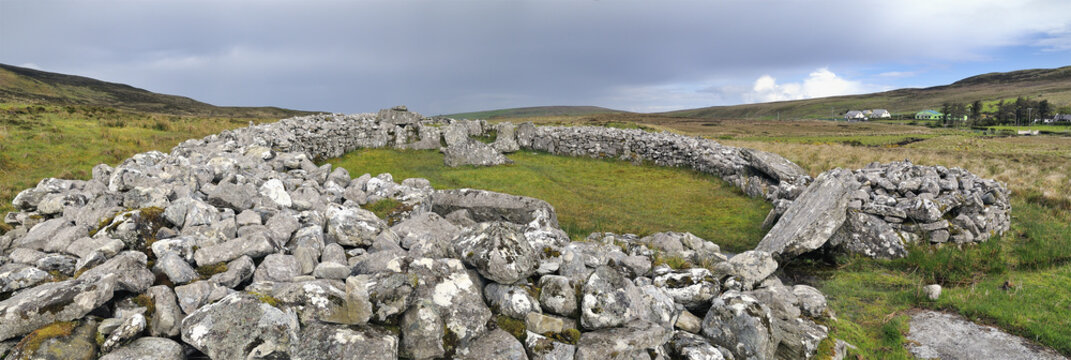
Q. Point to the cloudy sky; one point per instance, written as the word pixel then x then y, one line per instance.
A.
pixel 442 57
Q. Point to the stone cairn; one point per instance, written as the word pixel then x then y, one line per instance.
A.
pixel 238 245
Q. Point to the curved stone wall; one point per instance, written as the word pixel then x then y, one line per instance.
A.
pixel 238 245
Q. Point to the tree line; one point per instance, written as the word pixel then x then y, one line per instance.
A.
pixel 1020 111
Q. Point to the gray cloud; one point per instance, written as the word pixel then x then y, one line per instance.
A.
pixel 441 57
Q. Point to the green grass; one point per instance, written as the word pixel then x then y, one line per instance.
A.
pixel 855 140
pixel 1056 129
pixel 1020 282
pixel 593 195
pixel 40 141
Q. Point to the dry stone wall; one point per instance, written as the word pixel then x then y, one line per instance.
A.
pixel 238 245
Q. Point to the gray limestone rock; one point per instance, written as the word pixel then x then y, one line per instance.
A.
pixel 129 328
pixel 79 344
pixel 278 268
pixel 506 138
pixel 352 226
pixel 540 347
pixel 241 326
pixel 148 348
pixel 498 250
pixel 633 340
pixel 427 235
pixel 57 301
pixel 608 299
pixel 939 335
pixel 812 218
pixel 176 269
pixel 454 292
pixel 238 270
pixel 495 344
pixel 811 301
pixel 233 196
pixel 16 276
pixel 196 294
pixel 693 288
pixel 868 235
pixel 167 316
pixel 741 324
pixel 389 294
pixel 474 153
pixel 422 332
pixel 256 246
pixel 485 206
pixel 510 300
pixel 688 346
pixel 752 267
pixel 129 270
pixel 773 165
pixel 558 295
pixel 326 341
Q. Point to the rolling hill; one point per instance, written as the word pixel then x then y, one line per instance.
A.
pixel 1037 84
pixel 23 85
pixel 534 111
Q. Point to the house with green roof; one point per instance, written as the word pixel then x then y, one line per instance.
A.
pixel 928 115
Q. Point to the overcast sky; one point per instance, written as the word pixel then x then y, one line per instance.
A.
pixel 442 57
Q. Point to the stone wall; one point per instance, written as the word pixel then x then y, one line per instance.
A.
pixel 238 245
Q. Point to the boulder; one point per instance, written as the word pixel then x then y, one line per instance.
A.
pixel 495 344
pixel 506 138
pixel 634 340
pixel 773 165
pixel 558 295
pixel 326 341
pixel 812 218
pixel 693 288
pixel 44 304
pixel 752 267
pixel 148 348
pixel 608 299
pixel 540 347
pixel 485 206
pixel 64 340
pixel 427 235
pixel 510 300
pixel 688 346
pixel 474 153
pixel 241 326
pixel 741 324
pixel 350 226
pixel 498 250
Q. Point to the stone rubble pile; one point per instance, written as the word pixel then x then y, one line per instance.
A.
pixel 879 210
pixel 238 245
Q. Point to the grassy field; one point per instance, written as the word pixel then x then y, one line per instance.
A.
pixel 1036 84
pixel 39 141
pixel 593 195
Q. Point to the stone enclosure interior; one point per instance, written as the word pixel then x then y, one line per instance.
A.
pixel 238 245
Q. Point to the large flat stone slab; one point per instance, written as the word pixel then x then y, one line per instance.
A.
pixel 813 218
pixel 937 335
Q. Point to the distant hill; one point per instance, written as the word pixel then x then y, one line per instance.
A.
pixel 1037 84
pixel 534 111
pixel 18 84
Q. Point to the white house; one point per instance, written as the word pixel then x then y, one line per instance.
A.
pixel 880 114
pixel 854 115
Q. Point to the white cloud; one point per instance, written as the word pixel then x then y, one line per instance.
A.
pixel 898 74
pixel 30 65
pixel 820 83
